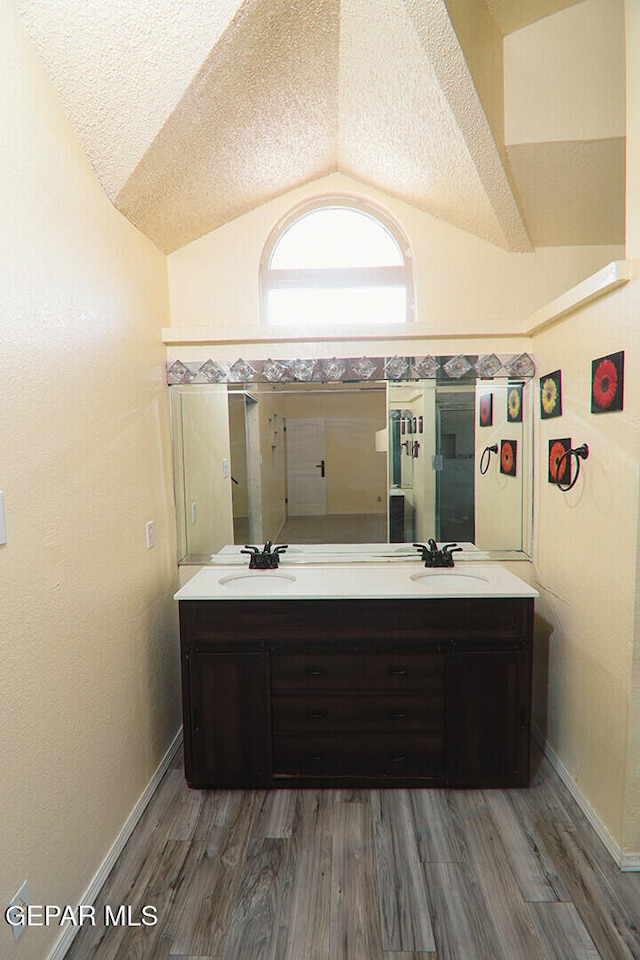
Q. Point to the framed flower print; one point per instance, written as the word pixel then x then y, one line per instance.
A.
pixel 514 403
pixel 485 412
pixel 607 381
pixel 508 457
pixel 551 395
pixel 559 468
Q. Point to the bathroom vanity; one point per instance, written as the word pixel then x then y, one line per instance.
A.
pixel 359 675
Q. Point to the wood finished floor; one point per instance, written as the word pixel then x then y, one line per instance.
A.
pixel 367 875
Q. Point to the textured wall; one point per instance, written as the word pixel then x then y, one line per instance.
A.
pixel 585 559
pixel 90 699
pixel 463 285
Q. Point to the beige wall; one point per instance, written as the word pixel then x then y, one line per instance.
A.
pixel 463 285
pixel 90 699
pixel 585 559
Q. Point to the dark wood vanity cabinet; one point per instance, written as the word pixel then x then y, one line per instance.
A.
pixel 356 692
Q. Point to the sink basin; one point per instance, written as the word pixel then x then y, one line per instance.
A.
pixel 444 578
pixel 263 580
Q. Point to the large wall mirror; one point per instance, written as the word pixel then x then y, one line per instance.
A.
pixel 353 462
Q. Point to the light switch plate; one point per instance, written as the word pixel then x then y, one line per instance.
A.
pixel 151 534
pixel 3 524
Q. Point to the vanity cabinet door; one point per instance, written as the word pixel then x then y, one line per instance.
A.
pixel 227 737
pixel 488 722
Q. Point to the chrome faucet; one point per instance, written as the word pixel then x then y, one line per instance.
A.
pixel 437 558
pixel 265 559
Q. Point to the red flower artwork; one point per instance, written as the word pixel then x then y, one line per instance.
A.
pixel 508 457
pixel 605 383
pixel 486 410
pixel 557 450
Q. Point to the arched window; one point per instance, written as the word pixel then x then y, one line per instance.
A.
pixel 336 261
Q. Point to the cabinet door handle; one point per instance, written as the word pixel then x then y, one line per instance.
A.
pixel 398 714
pixel 523 718
pixel 399 758
pixel 398 670
pixel 313 672
pixel 317 714
pixel 317 757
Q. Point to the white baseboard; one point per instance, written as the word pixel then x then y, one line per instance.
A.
pixel 89 896
pixel 628 862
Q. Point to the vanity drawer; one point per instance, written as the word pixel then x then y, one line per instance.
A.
pixel 331 713
pixel 384 755
pixel 371 671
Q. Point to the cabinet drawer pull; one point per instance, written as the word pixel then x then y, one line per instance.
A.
pixel 314 672
pixel 398 670
pixel 399 758
pixel 317 757
pixel 398 714
pixel 317 714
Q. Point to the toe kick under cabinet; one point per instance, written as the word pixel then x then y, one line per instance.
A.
pixel 281 693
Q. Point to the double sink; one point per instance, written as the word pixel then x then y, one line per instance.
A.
pixel 276 580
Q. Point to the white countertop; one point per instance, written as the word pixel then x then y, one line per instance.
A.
pixel 342 580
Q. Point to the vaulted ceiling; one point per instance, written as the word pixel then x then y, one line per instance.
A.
pixel 193 112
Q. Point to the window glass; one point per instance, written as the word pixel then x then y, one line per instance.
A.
pixel 336 264
pixel 336 237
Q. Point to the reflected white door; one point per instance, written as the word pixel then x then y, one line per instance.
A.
pixel 306 483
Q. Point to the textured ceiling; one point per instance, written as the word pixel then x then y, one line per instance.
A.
pixel 193 112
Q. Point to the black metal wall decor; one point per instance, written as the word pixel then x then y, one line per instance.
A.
pixel 485 459
pixel 565 481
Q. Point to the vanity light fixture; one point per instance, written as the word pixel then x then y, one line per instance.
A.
pixel 457 367
pixel 396 367
pixel 303 369
pixel 364 368
pixel 488 366
pixel 212 371
pixel 336 369
pixel 426 367
pixel 179 372
pixel 241 371
pixel 333 369
pixel 273 371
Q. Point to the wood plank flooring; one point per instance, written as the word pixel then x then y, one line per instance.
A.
pixel 367 875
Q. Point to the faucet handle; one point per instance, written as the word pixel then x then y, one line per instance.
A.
pixel 449 548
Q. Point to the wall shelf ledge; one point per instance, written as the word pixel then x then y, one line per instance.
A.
pixel 604 281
